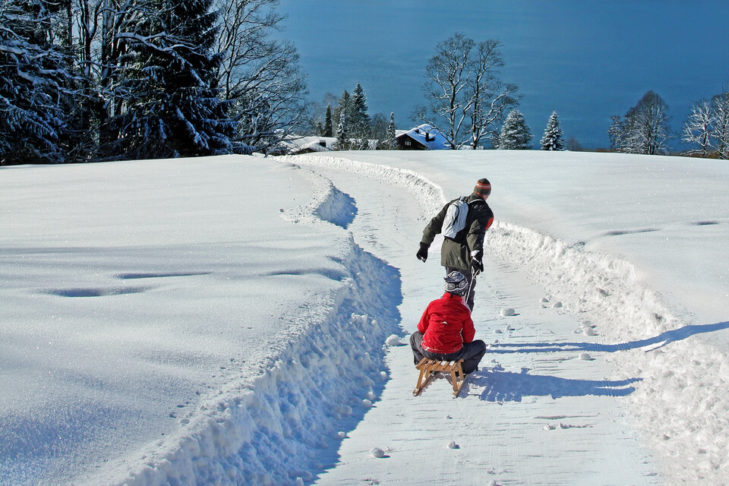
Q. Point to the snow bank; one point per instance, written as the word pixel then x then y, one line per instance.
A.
pixel 637 327
pixel 424 192
pixel 286 423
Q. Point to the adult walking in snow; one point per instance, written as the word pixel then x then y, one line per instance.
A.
pixel 462 248
pixel 445 331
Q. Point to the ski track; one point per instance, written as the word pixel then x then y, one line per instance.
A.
pixel 289 425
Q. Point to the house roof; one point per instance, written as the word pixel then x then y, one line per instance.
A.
pixel 295 144
pixel 426 135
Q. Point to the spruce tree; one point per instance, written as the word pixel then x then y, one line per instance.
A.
pixel 31 77
pixel 359 120
pixel 328 128
pixel 515 134
pixel 173 109
pixel 552 138
pixel 342 134
pixel 391 136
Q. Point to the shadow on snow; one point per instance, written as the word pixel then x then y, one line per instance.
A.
pixel 661 340
pixel 501 386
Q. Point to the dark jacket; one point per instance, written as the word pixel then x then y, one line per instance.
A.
pixel 446 324
pixel 456 252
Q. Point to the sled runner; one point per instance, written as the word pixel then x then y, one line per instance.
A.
pixel 429 367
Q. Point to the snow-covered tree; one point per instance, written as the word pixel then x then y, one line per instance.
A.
pixel 31 83
pixel 490 98
pixel 344 105
pixel 643 129
pixel 173 108
pixel 616 132
pixel 377 131
pixel 359 120
pixel 258 75
pixel 342 135
pixel 720 122
pixel 467 100
pixel 391 143
pixel 552 138
pixel 515 134
pixel 328 127
pixel 697 128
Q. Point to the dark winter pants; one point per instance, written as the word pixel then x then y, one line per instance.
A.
pixel 471 284
pixel 471 353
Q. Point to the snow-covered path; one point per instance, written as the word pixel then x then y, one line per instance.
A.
pixel 529 416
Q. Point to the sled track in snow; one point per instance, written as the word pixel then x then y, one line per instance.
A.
pixel 643 336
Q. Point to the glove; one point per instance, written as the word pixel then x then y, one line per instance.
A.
pixel 422 252
pixel 476 262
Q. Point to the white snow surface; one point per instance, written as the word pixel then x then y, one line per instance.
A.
pixel 245 320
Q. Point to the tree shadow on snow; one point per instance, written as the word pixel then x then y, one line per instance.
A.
pixel 659 341
pixel 501 386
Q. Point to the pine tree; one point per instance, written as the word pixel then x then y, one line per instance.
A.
pixel 343 106
pixel 515 134
pixel 342 134
pixel 359 120
pixel 328 128
pixel 391 136
pixel 552 138
pixel 173 109
pixel 31 77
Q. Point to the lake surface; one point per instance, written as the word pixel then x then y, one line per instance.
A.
pixel 586 59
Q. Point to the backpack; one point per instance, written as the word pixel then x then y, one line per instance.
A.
pixel 455 217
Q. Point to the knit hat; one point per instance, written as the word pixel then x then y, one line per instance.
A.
pixel 483 188
pixel 456 283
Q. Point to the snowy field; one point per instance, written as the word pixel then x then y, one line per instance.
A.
pixel 243 320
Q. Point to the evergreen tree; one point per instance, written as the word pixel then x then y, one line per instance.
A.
pixel 173 108
pixel 328 128
pixel 342 134
pixel 359 120
pixel 515 134
pixel 31 77
pixel 391 135
pixel 344 105
pixel 552 138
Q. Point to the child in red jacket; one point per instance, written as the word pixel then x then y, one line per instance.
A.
pixel 446 332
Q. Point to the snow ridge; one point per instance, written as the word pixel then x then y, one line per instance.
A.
pixel 327 204
pixel 428 195
pixel 284 425
pixel 645 341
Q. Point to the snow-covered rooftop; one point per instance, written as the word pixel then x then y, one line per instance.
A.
pixel 426 135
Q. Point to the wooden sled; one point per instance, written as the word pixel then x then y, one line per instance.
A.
pixel 429 367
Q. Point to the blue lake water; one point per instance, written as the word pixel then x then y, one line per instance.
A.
pixel 587 59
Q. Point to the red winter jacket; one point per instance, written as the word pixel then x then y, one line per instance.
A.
pixel 446 324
